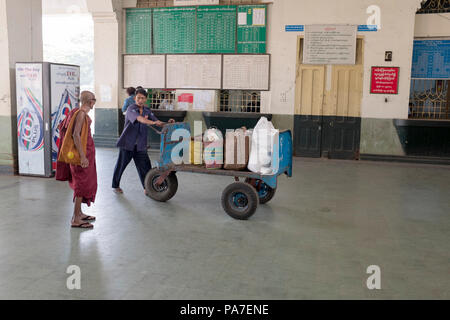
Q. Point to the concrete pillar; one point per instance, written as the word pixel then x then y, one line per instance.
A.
pixel 20 41
pixel 108 66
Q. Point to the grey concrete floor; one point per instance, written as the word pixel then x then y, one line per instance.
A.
pixel 314 240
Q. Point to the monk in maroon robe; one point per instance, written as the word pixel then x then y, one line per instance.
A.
pixel 82 178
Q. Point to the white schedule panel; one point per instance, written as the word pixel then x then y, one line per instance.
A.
pixel 246 72
pixel 330 44
pixel 147 71
pixel 194 71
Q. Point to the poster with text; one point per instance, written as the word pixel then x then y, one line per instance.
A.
pixel 30 123
pixel 330 44
pixel 65 91
pixel 384 80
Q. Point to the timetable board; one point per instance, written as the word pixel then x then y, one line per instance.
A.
pixel 246 72
pixel 251 29
pixel 147 71
pixel 216 29
pixel 431 59
pixel 139 31
pixel 174 30
pixel 194 71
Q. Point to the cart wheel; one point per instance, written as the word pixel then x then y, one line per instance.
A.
pixel 240 200
pixel 265 193
pixel 165 191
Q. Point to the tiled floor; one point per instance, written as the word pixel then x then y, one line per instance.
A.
pixel 314 240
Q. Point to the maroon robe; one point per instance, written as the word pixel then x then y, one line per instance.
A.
pixel 83 181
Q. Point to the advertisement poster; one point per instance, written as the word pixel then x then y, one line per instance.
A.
pixel 384 80
pixel 65 90
pixel 30 123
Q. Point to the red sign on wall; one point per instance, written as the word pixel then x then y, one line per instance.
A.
pixel 186 97
pixel 384 80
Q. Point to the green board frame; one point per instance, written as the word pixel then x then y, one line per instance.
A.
pixel 139 31
pixel 216 29
pixel 174 30
pixel 251 38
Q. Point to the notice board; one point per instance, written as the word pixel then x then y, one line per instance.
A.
pixel 139 31
pixel 194 2
pixel 216 29
pixel 251 29
pixel 330 44
pixel 384 80
pixel 147 71
pixel 431 59
pixel 174 30
pixel 246 72
pixel 198 71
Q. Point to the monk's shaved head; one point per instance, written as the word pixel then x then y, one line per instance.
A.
pixel 86 96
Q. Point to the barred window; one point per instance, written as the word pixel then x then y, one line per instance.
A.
pixel 162 99
pixel 429 99
pixel 434 6
pixel 240 101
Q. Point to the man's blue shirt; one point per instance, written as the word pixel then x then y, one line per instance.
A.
pixel 135 133
pixel 128 102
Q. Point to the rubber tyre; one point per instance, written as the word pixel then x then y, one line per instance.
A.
pixel 264 197
pixel 240 200
pixel 167 190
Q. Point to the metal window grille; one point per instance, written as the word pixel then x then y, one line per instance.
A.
pixel 429 99
pixel 240 101
pixel 434 6
pixel 161 99
pixel 169 3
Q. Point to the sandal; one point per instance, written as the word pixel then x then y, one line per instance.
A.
pixel 89 218
pixel 85 225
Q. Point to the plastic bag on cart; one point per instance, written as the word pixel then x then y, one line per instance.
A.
pixel 264 145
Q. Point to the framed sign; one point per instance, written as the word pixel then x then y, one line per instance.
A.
pixel 330 44
pixel 144 70
pixel 194 71
pixel 431 59
pixel 384 80
pixel 246 72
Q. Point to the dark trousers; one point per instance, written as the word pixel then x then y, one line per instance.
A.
pixel 141 160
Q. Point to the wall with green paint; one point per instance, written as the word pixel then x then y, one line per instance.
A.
pixel 379 136
pixel 6 146
pixel 283 122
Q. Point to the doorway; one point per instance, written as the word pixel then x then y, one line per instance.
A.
pixel 328 108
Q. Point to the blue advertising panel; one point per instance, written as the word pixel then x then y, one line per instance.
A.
pixel 431 59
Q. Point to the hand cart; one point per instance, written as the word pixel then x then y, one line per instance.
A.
pixel 239 199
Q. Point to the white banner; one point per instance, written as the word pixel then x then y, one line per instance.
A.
pixel 30 122
pixel 65 91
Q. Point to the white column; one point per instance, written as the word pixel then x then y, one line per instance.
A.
pixel 108 65
pixel 20 41
pixel 106 59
